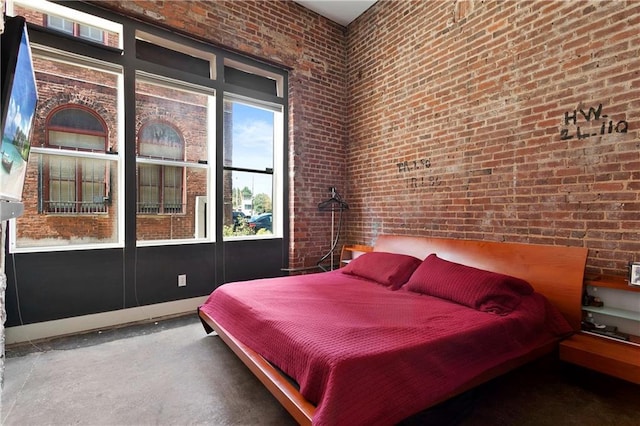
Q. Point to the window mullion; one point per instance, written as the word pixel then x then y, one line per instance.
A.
pixel 79 186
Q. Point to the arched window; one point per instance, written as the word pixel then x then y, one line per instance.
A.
pixel 160 186
pixel 75 183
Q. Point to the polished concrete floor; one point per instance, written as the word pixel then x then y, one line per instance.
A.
pixel 171 373
pixel 159 373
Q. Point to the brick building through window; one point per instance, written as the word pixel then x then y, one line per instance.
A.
pixel 75 184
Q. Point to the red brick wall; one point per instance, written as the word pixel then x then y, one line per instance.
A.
pixel 458 117
pixel 461 124
pixel 285 33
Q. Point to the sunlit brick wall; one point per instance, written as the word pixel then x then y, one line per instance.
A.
pixel 498 120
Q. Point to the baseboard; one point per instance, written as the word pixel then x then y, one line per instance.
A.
pixel 62 327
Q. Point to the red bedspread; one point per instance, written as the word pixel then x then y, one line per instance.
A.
pixel 366 355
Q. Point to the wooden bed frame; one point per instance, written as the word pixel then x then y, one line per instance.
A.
pixel 554 271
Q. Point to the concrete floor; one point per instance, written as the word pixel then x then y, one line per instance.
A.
pixel 171 373
pixel 165 373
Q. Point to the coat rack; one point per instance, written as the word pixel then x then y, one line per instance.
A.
pixel 333 204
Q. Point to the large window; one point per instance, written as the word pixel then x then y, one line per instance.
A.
pixel 250 138
pixel 182 101
pixel 172 158
pixel 71 187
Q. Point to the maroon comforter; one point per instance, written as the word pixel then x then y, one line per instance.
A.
pixel 366 355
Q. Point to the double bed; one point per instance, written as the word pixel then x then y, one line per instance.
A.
pixel 411 324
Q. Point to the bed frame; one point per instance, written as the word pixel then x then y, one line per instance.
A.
pixel 554 271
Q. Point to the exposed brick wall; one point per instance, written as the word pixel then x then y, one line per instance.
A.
pixel 498 120
pixel 285 33
pixel 460 117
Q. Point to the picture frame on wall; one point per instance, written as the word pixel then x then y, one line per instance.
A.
pixel 634 273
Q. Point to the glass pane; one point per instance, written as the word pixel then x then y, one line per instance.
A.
pixel 184 136
pixel 148 188
pixel 76 140
pixel 91 33
pixel 248 204
pixel 94 183
pixel 60 24
pixel 172 185
pixel 66 194
pixel 61 191
pixel 159 140
pixel 173 124
pixel 248 136
pixel 62 184
pixel 78 119
pixel 71 201
pixel 175 221
pixel 98 92
pixel 60 219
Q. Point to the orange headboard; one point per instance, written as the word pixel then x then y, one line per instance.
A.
pixel 556 272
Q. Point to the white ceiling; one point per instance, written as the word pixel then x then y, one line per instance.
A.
pixel 340 11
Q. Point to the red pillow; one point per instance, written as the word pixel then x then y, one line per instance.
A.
pixel 479 289
pixel 389 269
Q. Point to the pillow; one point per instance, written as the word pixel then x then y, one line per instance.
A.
pixel 389 269
pixel 479 289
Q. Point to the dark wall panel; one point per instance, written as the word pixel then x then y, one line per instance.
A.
pixel 55 285
pixel 157 270
pixel 245 260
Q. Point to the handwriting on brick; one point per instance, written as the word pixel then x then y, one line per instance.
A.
pixel 408 166
pixel 593 115
pixel 415 173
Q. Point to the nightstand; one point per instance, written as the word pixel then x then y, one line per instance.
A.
pixel 598 351
pixel 350 252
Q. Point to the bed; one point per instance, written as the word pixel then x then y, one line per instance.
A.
pixel 409 325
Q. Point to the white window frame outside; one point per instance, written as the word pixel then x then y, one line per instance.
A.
pixel 70 14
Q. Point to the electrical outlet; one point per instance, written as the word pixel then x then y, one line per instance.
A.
pixel 182 280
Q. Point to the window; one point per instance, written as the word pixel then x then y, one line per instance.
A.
pixel 160 188
pixel 74 193
pixel 68 21
pixel 172 159
pixel 250 141
pixel 74 185
pixel 76 29
pixel 71 187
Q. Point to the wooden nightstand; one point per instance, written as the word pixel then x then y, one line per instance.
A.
pixel 606 354
pixel 350 252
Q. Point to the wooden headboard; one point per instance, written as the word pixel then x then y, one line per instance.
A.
pixel 554 271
